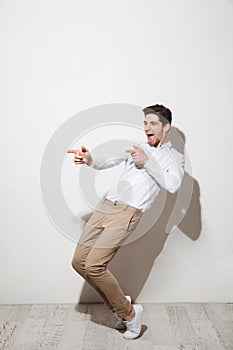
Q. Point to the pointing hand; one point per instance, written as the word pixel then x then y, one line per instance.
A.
pixel 138 155
pixel 82 156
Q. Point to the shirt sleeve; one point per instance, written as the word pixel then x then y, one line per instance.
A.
pixel 167 170
pixel 104 161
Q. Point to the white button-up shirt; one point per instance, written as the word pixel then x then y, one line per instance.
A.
pixel 140 186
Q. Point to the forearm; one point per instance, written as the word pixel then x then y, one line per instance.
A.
pixel 105 161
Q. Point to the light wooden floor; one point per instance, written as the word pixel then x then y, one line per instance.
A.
pixel 183 326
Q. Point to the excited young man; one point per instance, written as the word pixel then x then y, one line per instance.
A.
pixel 149 165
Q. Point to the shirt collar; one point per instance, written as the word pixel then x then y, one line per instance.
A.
pixel 167 145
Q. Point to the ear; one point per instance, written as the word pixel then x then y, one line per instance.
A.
pixel 167 127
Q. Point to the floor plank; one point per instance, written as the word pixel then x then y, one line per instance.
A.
pixel 165 326
pixel 7 334
pixel 221 315
pixel 181 326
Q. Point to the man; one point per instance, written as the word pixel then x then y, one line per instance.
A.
pixel 150 165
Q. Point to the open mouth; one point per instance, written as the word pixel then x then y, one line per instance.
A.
pixel 150 136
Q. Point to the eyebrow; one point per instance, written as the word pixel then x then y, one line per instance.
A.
pixel 152 122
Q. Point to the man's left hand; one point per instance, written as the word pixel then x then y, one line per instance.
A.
pixel 138 155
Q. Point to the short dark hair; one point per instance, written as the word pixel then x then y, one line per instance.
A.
pixel 164 113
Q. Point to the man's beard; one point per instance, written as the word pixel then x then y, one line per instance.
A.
pixel 156 143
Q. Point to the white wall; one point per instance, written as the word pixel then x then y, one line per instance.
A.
pixel 61 57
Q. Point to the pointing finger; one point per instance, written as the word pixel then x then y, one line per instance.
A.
pixel 72 151
pixel 130 151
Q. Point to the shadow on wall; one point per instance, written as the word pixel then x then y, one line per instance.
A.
pixel 133 262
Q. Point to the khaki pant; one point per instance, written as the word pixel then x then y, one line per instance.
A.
pixel 101 238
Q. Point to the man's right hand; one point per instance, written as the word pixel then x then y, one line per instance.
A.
pixel 82 156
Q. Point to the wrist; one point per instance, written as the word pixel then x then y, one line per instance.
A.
pixel 90 162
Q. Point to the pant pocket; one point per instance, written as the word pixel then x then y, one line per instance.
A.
pixel 133 221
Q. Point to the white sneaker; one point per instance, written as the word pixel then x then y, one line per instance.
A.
pixel 120 325
pixel 134 326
